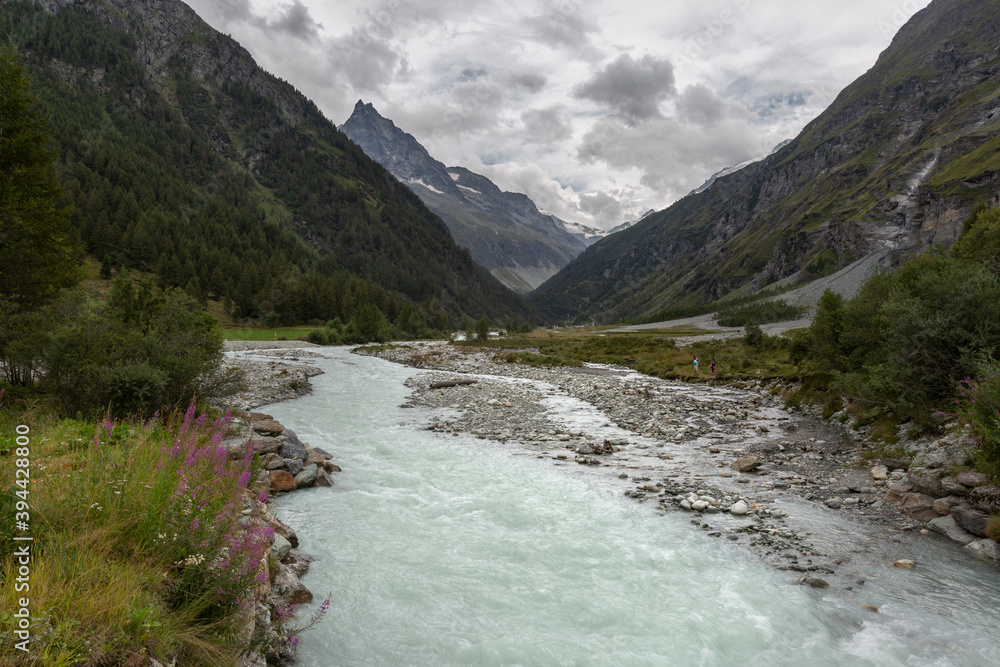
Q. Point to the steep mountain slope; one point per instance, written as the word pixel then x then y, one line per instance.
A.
pixel 505 231
pixel 182 157
pixel 896 163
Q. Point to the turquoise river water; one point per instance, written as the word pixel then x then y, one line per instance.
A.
pixel 451 551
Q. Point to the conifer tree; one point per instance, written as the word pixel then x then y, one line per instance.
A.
pixel 38 254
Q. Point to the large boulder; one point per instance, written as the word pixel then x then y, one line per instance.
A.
pixel 293 466
pixel 281 480
pixel 986 498
pixel 985 549
pixel 268 427
pixel 280 547
pixel 920 506
pixel 971 478
pixel 896 492
pixel 973 520
pixel 950 529
pixel 293 450
pixel 307 477
pixel 927 484
pixel 265 445
pixel 323 478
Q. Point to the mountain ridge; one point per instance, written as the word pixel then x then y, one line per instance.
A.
pixel 504 231
pixel 896 163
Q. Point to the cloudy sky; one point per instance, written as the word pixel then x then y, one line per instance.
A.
pixel 597 109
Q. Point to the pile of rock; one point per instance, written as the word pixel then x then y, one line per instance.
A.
pixel 938 487
pixel 289 463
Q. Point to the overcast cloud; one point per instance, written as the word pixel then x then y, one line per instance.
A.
pixel 596 109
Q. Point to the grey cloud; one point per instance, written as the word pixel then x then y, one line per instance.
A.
pixel 533 83
pixel 602 207
pixel 469 74
pixel 632 88
pixel 367 62
pixel 294 19
pixel 672 154
pixel 700 105
pixel 563 24
pixel 546 126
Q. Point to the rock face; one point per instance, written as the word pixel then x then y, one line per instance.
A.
pixel 986 498
pixel 504 231
pixel 884 136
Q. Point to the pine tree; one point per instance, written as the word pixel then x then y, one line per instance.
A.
pixel 38 254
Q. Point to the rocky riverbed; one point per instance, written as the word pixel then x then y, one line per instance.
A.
pixel 799 491
pixel 272 371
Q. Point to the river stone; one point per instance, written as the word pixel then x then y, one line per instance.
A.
pixel 947 527
pixel 330 467
pixel 971 478
pixel 265 445
pixel 699 506
pixel 920 506
pixel 971 520
pixel 290 436
pixel 686 504
pixel 833 503
pixel 943 506
pixel 746 464
pixel 322 452
pixel 896 464
pixel 323 479
pixel 306 477
pixel 293 450
pixel 896 492
pixel 271 461
pixel 258 416
pixel 985 548
pixel 904 564
pixel 880 472
pixel 280 547
pixel 927 485
pixel 815 582
pixel 739 508
pixel 953 486
pixel 586 450
pixel 293 466
pixel 281 480
pixel 268 427
pixel 317 458
pixel 297 562
pixel 986 498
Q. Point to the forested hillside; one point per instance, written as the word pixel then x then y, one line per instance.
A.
pixel 182 158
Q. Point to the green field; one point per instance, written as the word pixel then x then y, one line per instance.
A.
pixel 280 333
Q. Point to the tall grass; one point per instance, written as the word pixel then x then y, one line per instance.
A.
pixel 139 547
pixel 979 405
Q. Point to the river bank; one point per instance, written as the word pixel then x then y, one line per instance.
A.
pixel 274 372
pixel 743 468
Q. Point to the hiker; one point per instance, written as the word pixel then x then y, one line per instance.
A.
pixel 713 365
pixel 696 365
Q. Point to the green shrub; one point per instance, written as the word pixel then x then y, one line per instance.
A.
pixel 980 406
pixel 764 312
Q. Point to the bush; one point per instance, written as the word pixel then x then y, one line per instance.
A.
pixel 157 343
pixel 980 406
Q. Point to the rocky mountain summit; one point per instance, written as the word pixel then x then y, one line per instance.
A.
pixel 505 232
pixel 893 166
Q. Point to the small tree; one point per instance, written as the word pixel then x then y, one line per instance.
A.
pixel 483 329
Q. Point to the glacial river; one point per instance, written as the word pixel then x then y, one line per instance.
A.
pixel 441 550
